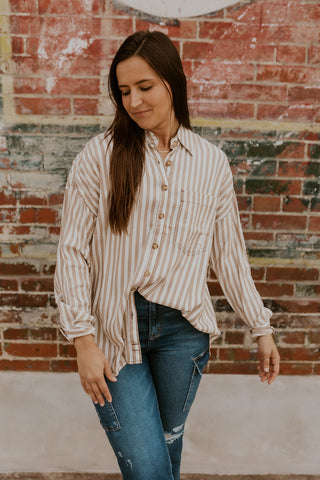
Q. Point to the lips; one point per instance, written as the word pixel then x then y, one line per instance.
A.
pixel 141 113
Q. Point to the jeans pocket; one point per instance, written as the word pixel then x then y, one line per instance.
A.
pixel 108 417
pixel 199 364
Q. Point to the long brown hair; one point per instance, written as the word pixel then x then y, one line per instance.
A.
pixel 128 152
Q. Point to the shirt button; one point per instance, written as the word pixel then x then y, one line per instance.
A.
pixel 169 163
pixel 161 215
pixel 147 273
pixel 164 187
pixel 155 246
pixel 175 143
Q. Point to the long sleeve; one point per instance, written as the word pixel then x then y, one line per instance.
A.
pixel 72 275
pixel 230 262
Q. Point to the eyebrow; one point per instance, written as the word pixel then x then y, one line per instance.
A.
pixel 137 83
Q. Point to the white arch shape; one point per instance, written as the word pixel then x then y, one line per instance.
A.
pixel 179 8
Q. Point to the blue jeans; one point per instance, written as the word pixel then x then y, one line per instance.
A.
pixel 151 401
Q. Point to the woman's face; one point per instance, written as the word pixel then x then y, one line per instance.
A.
pixel 144 95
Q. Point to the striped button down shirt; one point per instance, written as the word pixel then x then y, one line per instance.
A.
pixel 185 218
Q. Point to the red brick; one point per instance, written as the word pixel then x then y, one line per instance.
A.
pixel 24 24
pixel 244 203
pixel 222 72
pixel 7 215
pixel 293 169
pixel 292 273
pixel 42 106
pixel 234 338
pixel 54 230
pixel 23 300
pixel 258 93
pixel 257 273
pixel 283 112
pixel 287 74
pixel 31 349
pixel 223 49
pixel 16 333
pixel 279 33
pixel 100 48
pixel 215 289
pixel 8 285
pixel 37 285
pixel 266 204
pixel 274 290
pixel 67 350
pixel 17 45
pixel 295 205
pixel 255 239
pixel 185 29
pixel 7 198
pixel 29 85
pixel 291 53
pixel 19 230
pixel 299 354
pixel 49 269
pixel 32 199
pixel 287 368
pixel 56 199
pixel 226 30
pixel 43 333
pixel 314 54
pixel 23 6
pixel 314 337
pixel 236 354
pixel 275 12
pixel 314 224
pixel 38 215
pixel 299 306
pixel 18 269
pixel 249 14
pixel 25 365
pixel 78 86
pixel 72 7
pixel 305 95
pixel 218 109
pixel 64 366
pixel 86 106
pixel 279 222
pixel 291 337
pixel 305 13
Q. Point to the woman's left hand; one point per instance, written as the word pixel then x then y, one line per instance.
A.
pixel 269 359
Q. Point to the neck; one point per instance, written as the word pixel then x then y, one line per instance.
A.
pixel 165 135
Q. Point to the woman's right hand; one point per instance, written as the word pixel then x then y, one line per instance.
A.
pixel 92 366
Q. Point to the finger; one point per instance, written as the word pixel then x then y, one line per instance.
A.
pixel 87 388
pixel 98 394
pixel 108 372
pixel 275 370
pixel 266 364
pixel 103 387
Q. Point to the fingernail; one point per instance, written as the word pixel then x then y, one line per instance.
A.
pixel 266 369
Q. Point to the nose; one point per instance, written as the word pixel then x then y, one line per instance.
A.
pixel 135 99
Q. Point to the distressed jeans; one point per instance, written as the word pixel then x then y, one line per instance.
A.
pixel 151 401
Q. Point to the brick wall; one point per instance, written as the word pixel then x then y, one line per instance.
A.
pixel 253 74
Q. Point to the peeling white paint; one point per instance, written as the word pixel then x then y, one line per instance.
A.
pixel 179 8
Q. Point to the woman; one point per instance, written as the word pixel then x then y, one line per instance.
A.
pixel 148 207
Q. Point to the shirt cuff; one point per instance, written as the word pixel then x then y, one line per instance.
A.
pixel 258 332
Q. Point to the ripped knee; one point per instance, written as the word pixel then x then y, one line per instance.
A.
pixel 175 434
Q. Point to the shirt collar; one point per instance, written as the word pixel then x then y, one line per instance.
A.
pixel 183 136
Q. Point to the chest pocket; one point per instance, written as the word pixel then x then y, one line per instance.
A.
pixel 194 222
